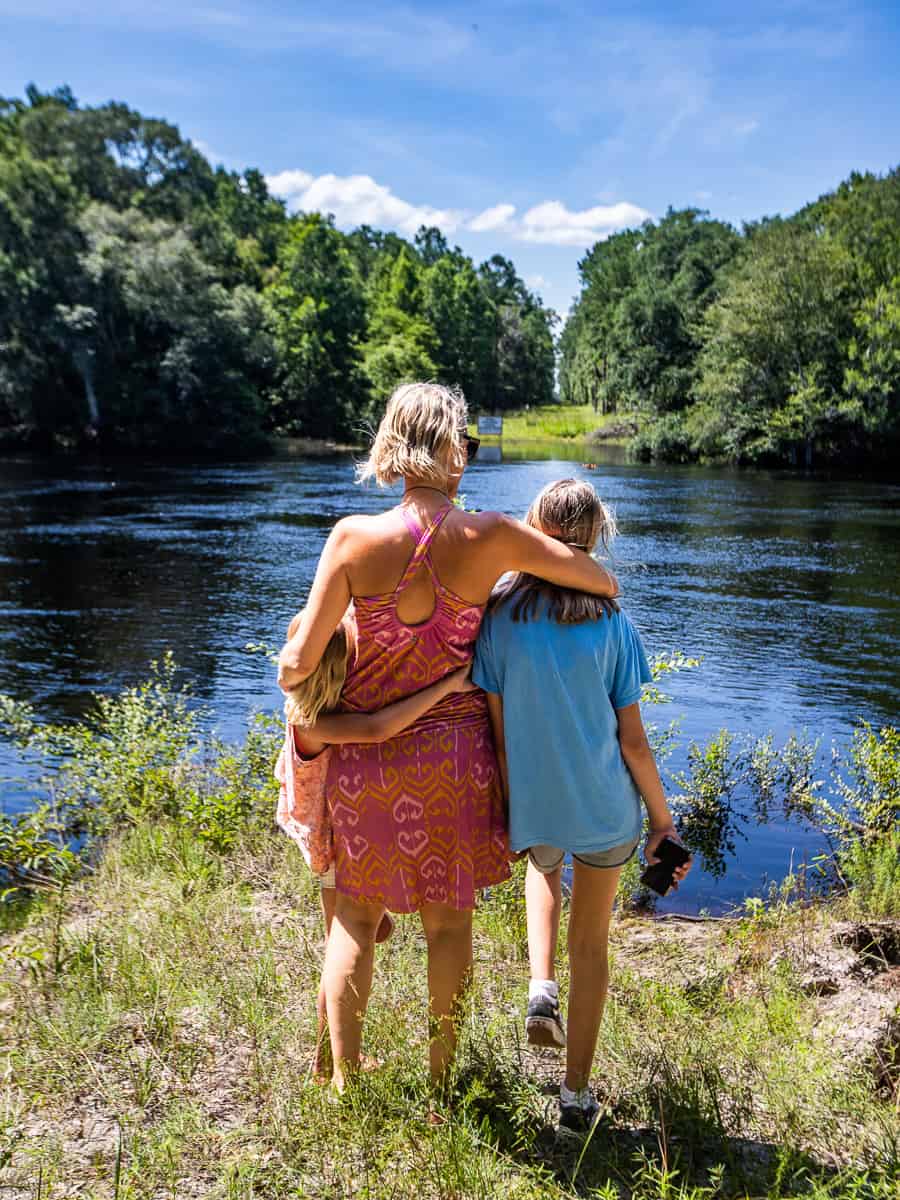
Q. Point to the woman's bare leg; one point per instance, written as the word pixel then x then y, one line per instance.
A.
pixel 543 905
pixel 347 979
pixel 448 932
pixel 593 893
pixel 322 1063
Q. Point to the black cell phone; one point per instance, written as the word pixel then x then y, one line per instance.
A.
pixel 660 876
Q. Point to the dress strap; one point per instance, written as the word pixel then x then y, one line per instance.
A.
pixel 423 541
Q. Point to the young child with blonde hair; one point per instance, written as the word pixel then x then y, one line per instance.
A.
pixel 563 671
pixel 314 723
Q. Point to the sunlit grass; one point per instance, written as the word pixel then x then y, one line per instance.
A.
pixel 553 422
pixel 163 1046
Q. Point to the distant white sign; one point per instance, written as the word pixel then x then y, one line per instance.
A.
pixel 490 426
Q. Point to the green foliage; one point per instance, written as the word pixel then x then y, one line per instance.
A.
pixel 549 422
pixel 147 300
pixel 773 347
pixel 318 319
pixel 779 345
pixel 634 338
pixel 871 867
pixel 167 1002
pixel 705 810
pixel 139 756
pixel 864 798
pixel 33 853
pixel 854 803
pixel 872 379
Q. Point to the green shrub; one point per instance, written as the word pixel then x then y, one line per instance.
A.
pixel 871 867
pixel 136 756
pixel 666 438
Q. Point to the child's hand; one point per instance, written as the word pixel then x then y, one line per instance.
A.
pixel 654 837
pixel 461 680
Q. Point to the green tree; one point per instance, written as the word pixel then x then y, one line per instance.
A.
pixel 157 342
pixel 461 315
pixel 872 380
pixel 318 316
pixel 634 336
pixel 401 342
pixel 39 246
pixel 773 356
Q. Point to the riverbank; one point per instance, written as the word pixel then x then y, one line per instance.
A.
pixel 545 424
pixel 157 1022
pixel 563 423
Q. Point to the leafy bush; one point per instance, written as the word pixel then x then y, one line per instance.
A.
pixel 855 805
pixel 871 868
pixel 665 438
pixel 138 755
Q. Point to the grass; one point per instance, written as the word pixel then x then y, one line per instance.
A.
pixel 157 1000
pixel 556 422
pixel 158 1030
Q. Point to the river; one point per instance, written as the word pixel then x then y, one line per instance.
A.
pixel 785 585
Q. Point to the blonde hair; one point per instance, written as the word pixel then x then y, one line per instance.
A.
pixel 570 511
pixel 420 435
pixel 321 691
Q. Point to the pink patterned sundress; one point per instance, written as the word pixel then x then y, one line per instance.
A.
pixel 417 819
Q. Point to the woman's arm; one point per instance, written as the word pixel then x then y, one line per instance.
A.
pixel 641 764
pixel 367 728
pixel 521 548
pixel 327 603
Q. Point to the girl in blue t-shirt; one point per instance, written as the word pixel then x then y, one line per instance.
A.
pixel 563 671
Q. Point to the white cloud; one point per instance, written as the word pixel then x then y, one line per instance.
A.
pixel 554 224
pixel 289 184
pixel 493 219
pixel 358 200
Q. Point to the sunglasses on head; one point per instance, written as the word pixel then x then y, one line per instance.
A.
pixel 472 444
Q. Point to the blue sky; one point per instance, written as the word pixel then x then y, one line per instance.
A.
pixel 531 129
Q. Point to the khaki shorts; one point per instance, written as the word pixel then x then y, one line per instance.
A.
pixel 548 859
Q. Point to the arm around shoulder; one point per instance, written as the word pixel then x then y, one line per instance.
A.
pixel 521 548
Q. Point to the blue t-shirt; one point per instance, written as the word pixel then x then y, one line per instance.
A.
pixel 561 685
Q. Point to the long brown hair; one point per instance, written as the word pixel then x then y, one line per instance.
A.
pixel 572 512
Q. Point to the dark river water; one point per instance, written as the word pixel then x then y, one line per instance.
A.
pixel 786 586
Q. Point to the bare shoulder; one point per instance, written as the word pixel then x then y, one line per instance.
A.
pixel 352 533
pixel 490 527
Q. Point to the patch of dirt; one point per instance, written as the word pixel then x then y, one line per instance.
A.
pixel 850 969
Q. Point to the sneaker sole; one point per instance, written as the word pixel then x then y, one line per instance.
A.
pixel 575 1135
pixel 541 1032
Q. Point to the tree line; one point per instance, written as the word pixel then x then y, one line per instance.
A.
pixel 779 343
pixel 150 300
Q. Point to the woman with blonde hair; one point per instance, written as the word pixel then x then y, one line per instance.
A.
pixel 419 820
